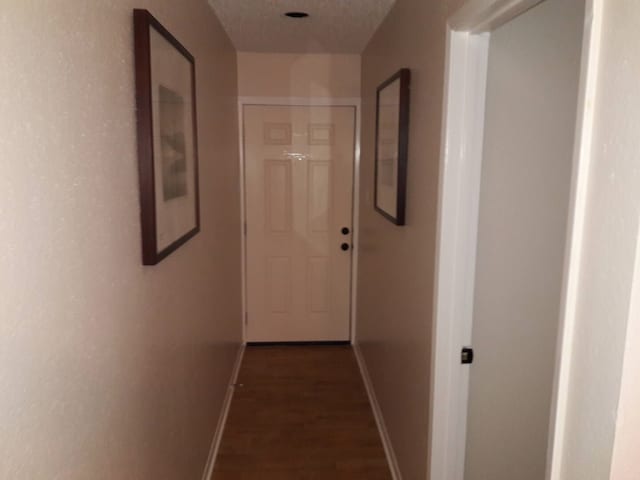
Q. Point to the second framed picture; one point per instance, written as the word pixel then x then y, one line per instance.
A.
pixel 167 139
pixel 392 146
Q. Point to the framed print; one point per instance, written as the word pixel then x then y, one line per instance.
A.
pixel 167 139
pixel 392 146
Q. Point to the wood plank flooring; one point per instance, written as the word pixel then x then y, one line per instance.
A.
pixel 300 413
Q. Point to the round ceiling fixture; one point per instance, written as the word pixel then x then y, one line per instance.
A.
pixel 296 14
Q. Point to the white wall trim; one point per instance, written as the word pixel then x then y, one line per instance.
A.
pixel 312 102
pixel 377 413
pixel 243 221
pixel 356 222
pixel 460 171
pixel 478 16
pixel 222 420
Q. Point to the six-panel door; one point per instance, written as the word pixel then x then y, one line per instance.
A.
pixel 299 194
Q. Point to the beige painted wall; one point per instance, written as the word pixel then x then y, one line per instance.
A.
pixel 625 464
pixel 396 264
pixel 293 75
pixel 108 370
pixel 396 271
pixel 607 302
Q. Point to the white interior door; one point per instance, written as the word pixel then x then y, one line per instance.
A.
pixel 299 193
pixel 530 123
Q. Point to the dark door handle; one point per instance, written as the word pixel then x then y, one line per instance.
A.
pixel 345 231
pixel 467 356
pixel 344 247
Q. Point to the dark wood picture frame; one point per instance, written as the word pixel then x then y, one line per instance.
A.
pixel 404 77
pixel 143 23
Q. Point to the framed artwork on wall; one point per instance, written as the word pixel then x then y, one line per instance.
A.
pixel 167 139
pixel 392 146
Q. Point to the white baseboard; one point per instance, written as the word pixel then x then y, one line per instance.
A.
pixel 217 438
pixel 377 413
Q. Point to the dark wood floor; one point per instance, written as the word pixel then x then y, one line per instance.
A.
pixel 301 413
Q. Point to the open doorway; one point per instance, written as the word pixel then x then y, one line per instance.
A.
pixel 512 179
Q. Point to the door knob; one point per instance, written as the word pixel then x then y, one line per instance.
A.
pixel 345 231
pixel 344 247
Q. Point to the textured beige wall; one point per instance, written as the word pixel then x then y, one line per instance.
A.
pixel 396 272
pixel 625 465
pixel 606 302
pixel 108 370
pixel 396 264
pixel 303 75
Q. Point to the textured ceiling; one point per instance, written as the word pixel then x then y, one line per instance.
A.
pixel 334 26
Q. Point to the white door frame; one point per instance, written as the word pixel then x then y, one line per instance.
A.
pixel 468 36
pixel 303 102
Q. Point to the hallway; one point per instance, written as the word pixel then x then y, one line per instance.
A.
pixel 300 413
pixel 444 194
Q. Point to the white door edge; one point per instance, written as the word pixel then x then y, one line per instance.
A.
pixel 460 170
pixel 313 102
pixel 455 261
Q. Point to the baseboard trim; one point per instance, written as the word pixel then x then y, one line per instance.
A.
pixel 377 413
pixel 222 420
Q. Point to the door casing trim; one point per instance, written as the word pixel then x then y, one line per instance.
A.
pixel 354 102
pixel 468 34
